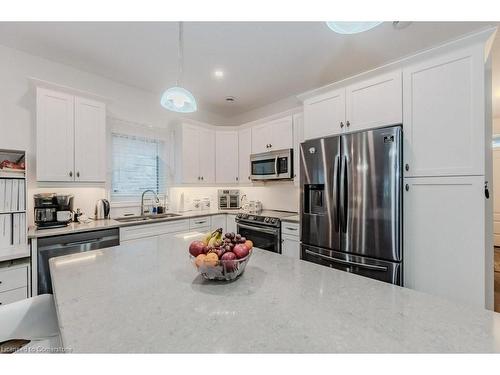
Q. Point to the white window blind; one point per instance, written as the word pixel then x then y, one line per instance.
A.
pixel 137 165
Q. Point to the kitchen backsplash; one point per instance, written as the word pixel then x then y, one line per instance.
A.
pixel 279 196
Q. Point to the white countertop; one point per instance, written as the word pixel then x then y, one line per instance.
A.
pixel 149 298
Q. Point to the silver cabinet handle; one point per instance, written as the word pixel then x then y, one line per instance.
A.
pixel 202 178
pixel 407 187
pixel 70 174
pixel 347 124
pixel 341 124
pixel 236 178
pixel 407 167
pixel 78 174
pixel 289 228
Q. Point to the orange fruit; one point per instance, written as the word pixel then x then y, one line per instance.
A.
pixel 199 260
pixel 248 244
pixel 211 259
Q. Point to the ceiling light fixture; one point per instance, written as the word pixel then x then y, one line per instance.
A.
pixel 352 27
pixel 219 73
pixel 177 98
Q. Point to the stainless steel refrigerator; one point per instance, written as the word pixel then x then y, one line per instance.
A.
pixel 350 197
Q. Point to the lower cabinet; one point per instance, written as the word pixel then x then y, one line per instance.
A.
pixel 14 281
pixel 218 221
pixel 445 249
pixel 231 223
pixel 156 229
pixel 290 240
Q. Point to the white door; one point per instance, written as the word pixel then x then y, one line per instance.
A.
pixel 191 154
pixel 291 247
pixel 54 136
pixel 444 115
pixel 375 102
pixel 281 134
pixel 324 115
pixel 207 155
pixel 218 221
pixel 226 157
pixel 496 195
pixel 231 223
pixel 444 237
pixel 261 138
pixel 90 140
pixel 244 152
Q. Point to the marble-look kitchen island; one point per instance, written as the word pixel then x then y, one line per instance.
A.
pixel 147 297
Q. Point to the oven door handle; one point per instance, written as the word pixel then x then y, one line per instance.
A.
pixel 276 166
pixel 260 229
pixel 348 263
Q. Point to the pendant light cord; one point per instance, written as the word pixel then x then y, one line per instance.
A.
pixel 181 52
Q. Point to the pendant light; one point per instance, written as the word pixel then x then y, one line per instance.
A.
pixel 177 98
pixel 352 27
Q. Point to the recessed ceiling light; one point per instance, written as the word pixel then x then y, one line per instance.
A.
pixel 219 74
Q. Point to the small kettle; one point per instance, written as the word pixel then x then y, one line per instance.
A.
pixel 102 209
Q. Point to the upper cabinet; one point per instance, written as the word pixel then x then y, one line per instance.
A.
pixel 375 102
pixel 226 157
pixel 443 113
pixel 324 115
pixel 371 103
pixel 244 152
pixel 198 155
pixel 70 138
pixel 273 135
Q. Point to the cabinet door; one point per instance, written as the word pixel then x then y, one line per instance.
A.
pixel 324 115
pixel 207 155
pixel 444 115
pixel 298 138
pixel 90 140
pixel 290 247
pixel 190 154
pixel 261 138
pixel 444 237
pixel 244 152
pixel 375 102
pixel 226 157
pixel 54 136
pixel 231 223
pixel 218 221
pixel 281 134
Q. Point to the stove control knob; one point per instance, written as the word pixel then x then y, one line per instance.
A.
pixel 266 220
pixel 273 220
pixel 239 215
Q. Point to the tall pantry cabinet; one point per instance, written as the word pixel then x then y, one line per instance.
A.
pixel 447 249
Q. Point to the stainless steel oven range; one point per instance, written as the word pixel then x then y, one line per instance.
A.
pixel 264 229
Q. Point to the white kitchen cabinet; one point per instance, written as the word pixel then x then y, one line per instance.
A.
pixel 14 282
pixel 374 102
pixel 290 246
pixel 200 224
pixel 54 136
pixel 226 157
pixel 198 155
pixel 298 137
pixel 70 138
pixel 90 140
pixel 324 115
pixel 273 135
pixel 444 237
pixel 218 221
pixel 444 119
pixel 231 223
pixel 155 229
pixel 244 152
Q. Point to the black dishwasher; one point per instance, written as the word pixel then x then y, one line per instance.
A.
pixel 55 246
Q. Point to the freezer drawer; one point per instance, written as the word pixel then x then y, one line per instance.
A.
pixel 389 272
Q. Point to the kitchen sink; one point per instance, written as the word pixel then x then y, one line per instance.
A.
pixel 138 218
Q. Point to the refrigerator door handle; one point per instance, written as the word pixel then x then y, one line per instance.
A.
pixel 348 263
pixel 343 194
pixel 336 192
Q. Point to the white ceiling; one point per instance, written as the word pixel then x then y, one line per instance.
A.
pixel 263 62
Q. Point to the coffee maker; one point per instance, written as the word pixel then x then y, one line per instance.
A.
pixel 53 210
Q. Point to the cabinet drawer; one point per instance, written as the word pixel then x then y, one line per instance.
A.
pixel 156 229
pixel 13 295
pixel 291 229
pixel 199 222
pixel 13 278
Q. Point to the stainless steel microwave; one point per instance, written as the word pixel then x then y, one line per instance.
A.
pixel 273 165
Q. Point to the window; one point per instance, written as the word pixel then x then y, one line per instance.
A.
pixel 137 165
pixel 496 141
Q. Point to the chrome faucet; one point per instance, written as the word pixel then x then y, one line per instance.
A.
pixel 142 199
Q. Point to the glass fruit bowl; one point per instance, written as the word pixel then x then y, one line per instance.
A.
pixel 220 269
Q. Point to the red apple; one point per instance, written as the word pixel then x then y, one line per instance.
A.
pixel 240 250
pixel 229 261
pixel 196 248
